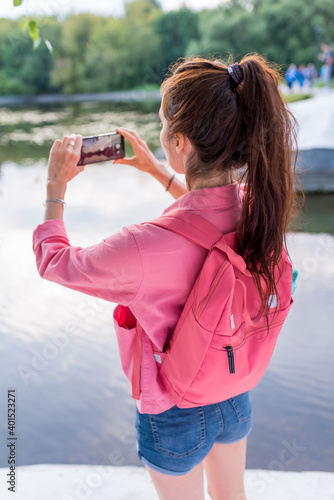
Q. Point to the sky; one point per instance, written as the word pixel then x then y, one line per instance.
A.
pixel 107 7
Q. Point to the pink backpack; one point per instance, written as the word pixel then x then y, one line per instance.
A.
pixel 220 346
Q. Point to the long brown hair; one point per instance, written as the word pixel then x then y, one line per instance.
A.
pixel 232 126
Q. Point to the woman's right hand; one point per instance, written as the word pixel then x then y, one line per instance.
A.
pixel 143 159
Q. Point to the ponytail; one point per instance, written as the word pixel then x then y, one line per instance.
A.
pixel 269 196
pixel 235 117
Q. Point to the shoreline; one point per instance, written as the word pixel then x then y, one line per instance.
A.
pixel 134 95
pixel 315 161
pixel 102 482
pixel 116 96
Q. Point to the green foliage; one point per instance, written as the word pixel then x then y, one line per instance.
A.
pixel 229 31
pixel 283 31
pixel 69 72
pixel 30 25
pixel 98 54
pixel 22 70
pixel 176 29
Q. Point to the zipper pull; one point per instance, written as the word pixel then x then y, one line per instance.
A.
pixel 229 350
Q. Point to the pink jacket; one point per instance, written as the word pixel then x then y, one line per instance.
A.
pixel 142 266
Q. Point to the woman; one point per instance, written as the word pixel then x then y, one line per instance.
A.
pixel 215 120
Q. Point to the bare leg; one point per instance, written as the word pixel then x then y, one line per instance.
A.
pixel 224 466
pixel 187 487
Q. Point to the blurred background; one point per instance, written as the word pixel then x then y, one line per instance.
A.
pixel 72 67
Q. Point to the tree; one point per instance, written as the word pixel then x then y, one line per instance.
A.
pixel 283 31
pixel 176 29
pixel 124 52
pixel 22 70
pixel 290 27
pixel 97 54
pixel 69 72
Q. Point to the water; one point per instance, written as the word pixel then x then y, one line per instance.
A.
pixel 58 348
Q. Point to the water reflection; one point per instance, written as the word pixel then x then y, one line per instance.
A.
pixel 29 133
pixel 58 348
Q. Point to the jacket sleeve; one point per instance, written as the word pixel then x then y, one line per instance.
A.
pixel 111 270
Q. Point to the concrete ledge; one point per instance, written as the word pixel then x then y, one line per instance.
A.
pixel 319 159
pixel 101 482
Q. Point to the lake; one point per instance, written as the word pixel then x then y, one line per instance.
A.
pixel 58 349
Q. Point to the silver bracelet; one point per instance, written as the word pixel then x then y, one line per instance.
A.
pixel 169 182
pixel 57 200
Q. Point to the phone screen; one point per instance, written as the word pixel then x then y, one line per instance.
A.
pixel 102 147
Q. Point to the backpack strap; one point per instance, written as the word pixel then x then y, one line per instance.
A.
pixel 137 350
pixel 249 321
pixel 190 225
pixel 135 381
pixel 198 230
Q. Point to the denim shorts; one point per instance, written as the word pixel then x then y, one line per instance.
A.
pixel 175 441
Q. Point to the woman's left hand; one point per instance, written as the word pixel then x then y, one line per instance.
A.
pixel 63 160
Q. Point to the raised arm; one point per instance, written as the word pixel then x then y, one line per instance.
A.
pixel 112 269
pixel 62 167
pixel 145 161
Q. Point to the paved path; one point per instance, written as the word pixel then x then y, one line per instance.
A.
pixel 315 163
pixel 316 121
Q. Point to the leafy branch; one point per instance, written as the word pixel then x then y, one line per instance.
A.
pixel 30 25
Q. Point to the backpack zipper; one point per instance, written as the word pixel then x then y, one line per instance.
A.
pixel 229 350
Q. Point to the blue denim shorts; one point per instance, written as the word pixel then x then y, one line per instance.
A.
pixel 175 441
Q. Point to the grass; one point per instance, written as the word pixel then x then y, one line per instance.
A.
pixel 321 84
pixel 295 97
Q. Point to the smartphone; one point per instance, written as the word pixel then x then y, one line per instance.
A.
pixel 103 147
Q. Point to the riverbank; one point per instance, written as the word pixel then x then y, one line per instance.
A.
pixel 120 96
pixel 315 117
pixel 100 482
pixel 135 95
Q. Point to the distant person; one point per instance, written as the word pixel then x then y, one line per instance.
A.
pixel 211 127
pixel 311 74
pixel 327 70
pixel 291 75
pixel 300 75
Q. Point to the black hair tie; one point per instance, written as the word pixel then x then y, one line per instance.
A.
pixel 235 73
